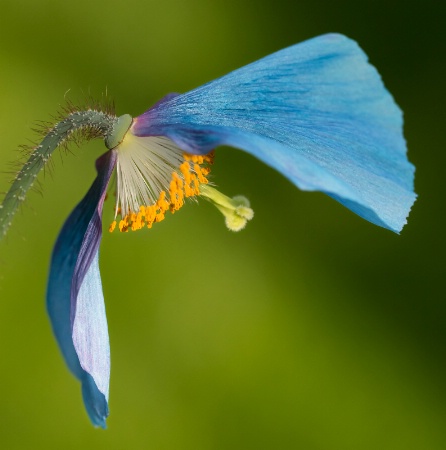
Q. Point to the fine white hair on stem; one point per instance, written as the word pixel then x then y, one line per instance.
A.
pixel 72 125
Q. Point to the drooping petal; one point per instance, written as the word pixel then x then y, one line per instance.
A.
pixel 317 112
pixel 75 301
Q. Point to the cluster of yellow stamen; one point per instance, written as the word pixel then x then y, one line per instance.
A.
pixel 184 183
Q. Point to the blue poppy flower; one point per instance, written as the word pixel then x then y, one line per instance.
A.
pixel 316 112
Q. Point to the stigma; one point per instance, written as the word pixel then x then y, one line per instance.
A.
pixel 236 210
pixel 155 177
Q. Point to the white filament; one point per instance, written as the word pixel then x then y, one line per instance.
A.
pixel 144 169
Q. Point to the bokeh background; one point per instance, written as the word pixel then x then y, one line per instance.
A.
pixel 311 329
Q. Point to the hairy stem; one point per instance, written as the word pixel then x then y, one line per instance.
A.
pixel 94 123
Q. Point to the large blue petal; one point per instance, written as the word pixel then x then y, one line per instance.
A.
pixel 317 112
pixel 75 301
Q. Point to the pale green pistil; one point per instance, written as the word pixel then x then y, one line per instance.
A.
pixel 236 210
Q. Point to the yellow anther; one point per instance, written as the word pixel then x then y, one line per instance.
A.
pixel 150 213
pixel 178 180
pixel 181 194
pixel 173 188
pixel 112 226
pixel 198 159
pixel 123 227
pixel 196 186
pixel 189 192
pixel 139 221
pixel 199 173
pixel 162 204
pixel 209 158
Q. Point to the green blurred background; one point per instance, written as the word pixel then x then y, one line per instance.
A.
pixel 311 329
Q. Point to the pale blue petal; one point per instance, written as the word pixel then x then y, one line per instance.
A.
pixel 75 301
pixel 317 112
pixel 90 338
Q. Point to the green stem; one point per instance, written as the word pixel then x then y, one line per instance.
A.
pixel 99 123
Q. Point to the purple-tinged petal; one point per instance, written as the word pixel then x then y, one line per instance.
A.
pixel 90 339
pixel 75 301
pixel 317 112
